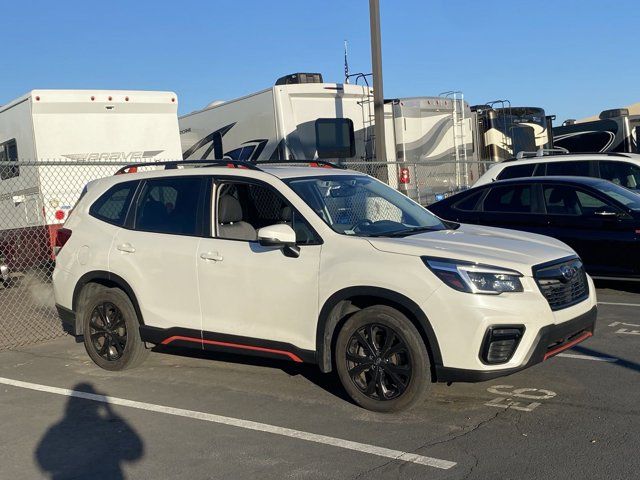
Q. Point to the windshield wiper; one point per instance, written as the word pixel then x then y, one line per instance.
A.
pixel 408 231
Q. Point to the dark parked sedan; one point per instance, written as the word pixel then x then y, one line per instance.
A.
pixel 598 219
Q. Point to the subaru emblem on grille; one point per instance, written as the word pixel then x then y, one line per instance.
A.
pixel 568 272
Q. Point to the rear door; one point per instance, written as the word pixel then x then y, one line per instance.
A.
pixel 156 251
pixel 514 205
pixel 601 231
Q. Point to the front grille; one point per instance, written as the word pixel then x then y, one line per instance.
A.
pixel 562 283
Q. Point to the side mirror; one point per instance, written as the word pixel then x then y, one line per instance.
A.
pixel 279 235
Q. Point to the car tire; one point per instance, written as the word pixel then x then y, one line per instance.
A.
pixel 383 377
pixel 111 328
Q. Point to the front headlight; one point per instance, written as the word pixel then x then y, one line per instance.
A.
pixel 474 278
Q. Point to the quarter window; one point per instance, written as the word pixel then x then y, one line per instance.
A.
pixel 112 206
pixel 510 199
pixel 170 205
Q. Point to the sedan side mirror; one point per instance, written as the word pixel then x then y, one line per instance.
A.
pixel 279 235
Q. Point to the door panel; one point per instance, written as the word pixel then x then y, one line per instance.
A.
pixel 161 270
pixel 255 291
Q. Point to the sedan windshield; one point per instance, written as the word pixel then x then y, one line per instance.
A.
pixel 626 197
pixel 362 206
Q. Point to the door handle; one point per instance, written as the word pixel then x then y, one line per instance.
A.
pixel 212 256
pixel 126 247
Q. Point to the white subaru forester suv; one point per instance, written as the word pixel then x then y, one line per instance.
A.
pixel 318 265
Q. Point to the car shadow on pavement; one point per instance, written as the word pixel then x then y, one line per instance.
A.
pixel 327 381
pixel 622 286
pixel 620 362
pixel 90 441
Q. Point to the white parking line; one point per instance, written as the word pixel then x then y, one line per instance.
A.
pixel 620 304
pixel 588 357
pixel 237 422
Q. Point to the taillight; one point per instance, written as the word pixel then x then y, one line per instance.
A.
pixel 403 175
pixel 62 237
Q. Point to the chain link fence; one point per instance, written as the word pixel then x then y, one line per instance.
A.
pixel 37 197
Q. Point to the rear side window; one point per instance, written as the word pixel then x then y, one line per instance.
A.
pixel 575 169
pixel 621 173
pixel 510 199
pixel 517 171
pixel 113 205
pixel 335 138
pixel 171 205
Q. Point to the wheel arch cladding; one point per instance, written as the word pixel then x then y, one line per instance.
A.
pixel 108 280
pixel 341 304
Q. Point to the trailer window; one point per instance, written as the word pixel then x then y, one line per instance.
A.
pixel 9 153
pixel 335 138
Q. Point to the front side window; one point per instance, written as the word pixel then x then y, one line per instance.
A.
pixel 243 208
pixel 335 138
pixel 621 173
pixel 113 205
pixel 170 205
pixel 510 199
pixel 359 205
pixel 9 153
pixel 567 200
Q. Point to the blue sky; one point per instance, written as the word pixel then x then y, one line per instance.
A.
pixel 574 58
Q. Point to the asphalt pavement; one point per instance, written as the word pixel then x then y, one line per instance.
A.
pixel 216 416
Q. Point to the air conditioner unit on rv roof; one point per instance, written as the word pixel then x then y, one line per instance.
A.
pixel 295 78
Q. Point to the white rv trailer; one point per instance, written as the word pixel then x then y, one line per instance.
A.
pixel 302 118
pixel 74 126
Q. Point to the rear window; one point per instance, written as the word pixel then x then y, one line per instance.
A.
pixel 113 205
pixel 335 138
pixel 517 171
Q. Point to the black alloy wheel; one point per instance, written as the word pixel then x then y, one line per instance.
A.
pixel 108 331
pixel 378 362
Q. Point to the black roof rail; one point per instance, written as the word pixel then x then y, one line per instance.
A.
pixel 311 163
pixel 530 155
pixel 174 164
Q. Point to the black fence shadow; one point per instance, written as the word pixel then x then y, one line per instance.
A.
pixel 90 441
pixel 327 381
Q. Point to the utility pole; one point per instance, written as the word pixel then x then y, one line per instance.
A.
pixel 376 65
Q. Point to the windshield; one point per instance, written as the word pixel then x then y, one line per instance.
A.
pixel 626 197
pixel 359 205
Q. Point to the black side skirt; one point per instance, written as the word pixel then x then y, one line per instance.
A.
pixel 185 337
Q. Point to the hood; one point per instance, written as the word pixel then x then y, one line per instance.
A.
pixel 492 246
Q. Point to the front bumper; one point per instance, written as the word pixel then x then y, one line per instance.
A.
pixel 550 341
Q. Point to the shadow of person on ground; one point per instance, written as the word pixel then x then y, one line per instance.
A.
pixel 90 441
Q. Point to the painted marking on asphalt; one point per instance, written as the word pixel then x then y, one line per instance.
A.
pixel 588 357
pixel 508 392
pixel 626 331
pixel 620 304
pixel 240 423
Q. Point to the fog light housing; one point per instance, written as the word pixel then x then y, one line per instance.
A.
pixel 500 343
